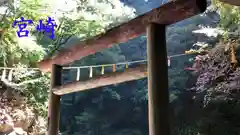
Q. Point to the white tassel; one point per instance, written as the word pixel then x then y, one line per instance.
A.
pixel 126 65
pixel 91 72
pixel 10 75
pixel 114 67
pixel 102 72
pixel 78 74
pixel 3 74
pixel 169 62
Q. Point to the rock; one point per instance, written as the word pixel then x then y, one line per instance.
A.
pixel 5 128
pixel 19 119
pixel 15 131
pixel 23 119
pixel 12 133
pixel 40 126
pixel 6 122
pixel 20 131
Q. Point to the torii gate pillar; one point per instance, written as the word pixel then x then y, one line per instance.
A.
pixel 158 96
pixel 54 101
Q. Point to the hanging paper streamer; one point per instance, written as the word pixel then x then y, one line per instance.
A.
pixel 126 65
pixel 10 75
pixel 78 74
pixel 91 72
pixel 114 67
pixel 102 72
pixel 3 74
pixel 145 73
pixel 169 62
pixel 233 57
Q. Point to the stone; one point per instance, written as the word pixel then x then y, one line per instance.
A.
pixel 20 131
pixel 6 123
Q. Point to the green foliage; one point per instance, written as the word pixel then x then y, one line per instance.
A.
pixel 14 50
pixel 25 52
pixel 83 21
pixel 37 94
pixel 90 18
pixel 229 15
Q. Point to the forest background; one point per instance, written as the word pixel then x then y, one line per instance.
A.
pixel 121 108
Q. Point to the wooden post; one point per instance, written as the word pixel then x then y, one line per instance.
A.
pixel 158 97
pixel 54 101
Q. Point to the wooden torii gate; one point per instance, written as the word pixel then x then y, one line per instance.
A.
pixel 154 23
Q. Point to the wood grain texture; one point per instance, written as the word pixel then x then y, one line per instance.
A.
pixel 158 95
pixel 54 101
pixel 103 80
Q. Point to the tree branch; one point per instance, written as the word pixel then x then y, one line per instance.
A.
pixel 10 84
pixel 59 45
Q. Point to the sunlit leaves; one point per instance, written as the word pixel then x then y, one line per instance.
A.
pixel 230 15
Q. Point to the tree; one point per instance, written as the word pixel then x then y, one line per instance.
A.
pixel 229 16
